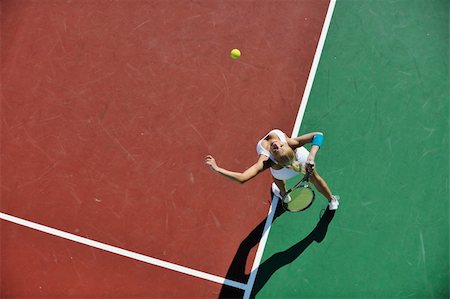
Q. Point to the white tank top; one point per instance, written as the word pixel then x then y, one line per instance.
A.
pixel 283 173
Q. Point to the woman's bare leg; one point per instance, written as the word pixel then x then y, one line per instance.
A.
pixel 321 185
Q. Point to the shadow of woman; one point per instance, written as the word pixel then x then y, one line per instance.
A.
pixel 281 259
pixel 236 270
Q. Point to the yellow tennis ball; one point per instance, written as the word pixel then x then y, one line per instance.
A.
pixel 235 53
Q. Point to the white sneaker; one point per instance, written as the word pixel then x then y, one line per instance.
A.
pixel 287 198
pixel 276 190
pixel 334 203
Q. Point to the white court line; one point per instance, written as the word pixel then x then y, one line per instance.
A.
pixel 122 252
pixel 298 122
pixel 315 64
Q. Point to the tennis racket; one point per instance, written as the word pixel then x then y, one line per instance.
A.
pixel 300 197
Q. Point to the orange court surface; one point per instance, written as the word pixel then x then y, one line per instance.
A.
pixel 108 111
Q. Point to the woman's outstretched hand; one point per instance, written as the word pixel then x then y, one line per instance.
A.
pixel 211 162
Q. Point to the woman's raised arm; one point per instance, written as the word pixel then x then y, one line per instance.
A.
pixel 301 140
pixel 262 164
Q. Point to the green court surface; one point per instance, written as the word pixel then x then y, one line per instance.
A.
pixel 381 96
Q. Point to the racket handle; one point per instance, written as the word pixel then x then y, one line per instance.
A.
pixel 306 177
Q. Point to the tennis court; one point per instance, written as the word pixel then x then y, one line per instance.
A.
pixel 109 108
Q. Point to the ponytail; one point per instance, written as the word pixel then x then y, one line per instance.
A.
pixel 296 166
pixel 289 160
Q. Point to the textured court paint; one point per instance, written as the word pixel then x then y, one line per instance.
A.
pixel 381 97
pixel 108 110
pixel 121 251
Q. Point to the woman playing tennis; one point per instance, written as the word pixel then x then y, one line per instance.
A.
pixel 286 157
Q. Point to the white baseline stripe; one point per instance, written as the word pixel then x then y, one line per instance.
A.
pixel 123 252
pixel 298 122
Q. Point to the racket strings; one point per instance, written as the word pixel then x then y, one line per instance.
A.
pixel 300 199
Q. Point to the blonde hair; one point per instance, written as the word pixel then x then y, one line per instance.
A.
pixel 289 159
